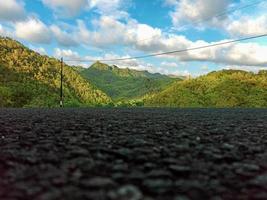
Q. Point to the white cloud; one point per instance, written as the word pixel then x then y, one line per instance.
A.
pixel 237 54
pixel 70 8
pixel 131 34
pixel 67 8
pixel 3 32
pixel 110 8
pixel 254 69
pixel 187 11
pixel 170 2
pixel 133 64
pixel 39 50
pixel 66 53
pixel 11 10
pixel 109 31
pixel 243 54
pixel 7 30
pixel 83 33
pixel 72 58
pixel 248 26
pixel 181 73
pixel 204 68
pixel 33 30
pixel 169 64
pixel 62 37
pixel 144 34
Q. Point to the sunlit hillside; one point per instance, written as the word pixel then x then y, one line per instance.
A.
pixel 226 88
pixel 28 79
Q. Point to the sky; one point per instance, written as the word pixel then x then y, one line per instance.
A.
pixel 110 29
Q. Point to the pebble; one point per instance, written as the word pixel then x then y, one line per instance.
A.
pixel 179 169
pixel 133 154
pixel 157 184
pixel 228 146
pixel 98 182
pixel 260 180
pixel 127 192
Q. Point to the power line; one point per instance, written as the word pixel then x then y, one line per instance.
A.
pixel 235 9
pixel 171 52
pixel 212 17
pixel 197 22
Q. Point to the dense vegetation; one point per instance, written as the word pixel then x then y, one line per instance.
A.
pixel 226 88
pixel 28 79
pixel 125 84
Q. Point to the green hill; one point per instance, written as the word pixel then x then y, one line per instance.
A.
pixel 226 88
pixel 28 79
pixel 125 84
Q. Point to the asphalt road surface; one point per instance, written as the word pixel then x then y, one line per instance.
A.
pixel 132 154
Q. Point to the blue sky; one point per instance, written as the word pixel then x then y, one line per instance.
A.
pixel 110 29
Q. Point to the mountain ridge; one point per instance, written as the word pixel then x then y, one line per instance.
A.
pixel 125 83
pixel 28 79
pixel 131 72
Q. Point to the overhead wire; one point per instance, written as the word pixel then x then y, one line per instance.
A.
pixel 183 50
pixel 211 17
pixel 170 52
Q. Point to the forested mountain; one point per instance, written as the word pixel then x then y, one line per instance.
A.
pixel 226 88
pixel 28 79
pixel 125 84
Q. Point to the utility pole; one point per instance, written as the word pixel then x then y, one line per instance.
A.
pixel 61 84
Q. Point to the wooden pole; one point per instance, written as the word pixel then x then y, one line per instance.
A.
pixel 61 84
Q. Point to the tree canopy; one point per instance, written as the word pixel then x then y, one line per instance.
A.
pixel 30 79
pixel 226 88
pixel 125 84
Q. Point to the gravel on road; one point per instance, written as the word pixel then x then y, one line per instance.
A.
pixel 133 154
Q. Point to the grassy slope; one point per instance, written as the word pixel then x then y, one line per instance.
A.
pixel 29 79
pixel 124 84
pixel 227 88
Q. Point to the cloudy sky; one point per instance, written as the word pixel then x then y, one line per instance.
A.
pixel 110 29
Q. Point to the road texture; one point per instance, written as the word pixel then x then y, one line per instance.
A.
pixel 132 154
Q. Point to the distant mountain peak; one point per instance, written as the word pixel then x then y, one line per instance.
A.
pixel 125 83
pixel 100 66
pixel 125 72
